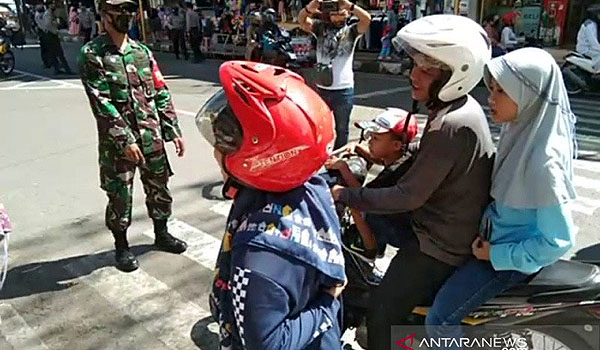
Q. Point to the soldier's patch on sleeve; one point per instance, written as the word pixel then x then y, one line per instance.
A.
pixel 159 79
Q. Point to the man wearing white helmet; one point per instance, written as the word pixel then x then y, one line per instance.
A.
pixel 447 187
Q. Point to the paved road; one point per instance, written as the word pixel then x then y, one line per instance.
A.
pixel 62 291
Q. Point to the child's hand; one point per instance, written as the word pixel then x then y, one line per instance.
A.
pixel 336 191
pixel 481 249
pixel 335 163
pixel 336 291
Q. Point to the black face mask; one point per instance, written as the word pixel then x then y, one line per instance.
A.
pixel 120 22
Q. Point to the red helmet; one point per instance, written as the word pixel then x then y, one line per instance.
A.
pixel 274 131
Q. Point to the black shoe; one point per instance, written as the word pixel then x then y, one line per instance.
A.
pixel 125 260
pixel 166 242
pixel 352 242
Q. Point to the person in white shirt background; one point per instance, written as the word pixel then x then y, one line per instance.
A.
pixel 587 39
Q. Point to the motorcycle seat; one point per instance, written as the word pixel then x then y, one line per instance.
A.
pixel 562 281
pixel 580 55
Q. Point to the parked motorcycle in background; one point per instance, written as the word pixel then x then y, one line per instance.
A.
pixel 579 74
pixel 7 57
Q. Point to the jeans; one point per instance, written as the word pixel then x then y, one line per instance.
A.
pixel 341 103
pixel 469 287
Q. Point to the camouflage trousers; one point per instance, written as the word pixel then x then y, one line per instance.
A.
pixel 116 179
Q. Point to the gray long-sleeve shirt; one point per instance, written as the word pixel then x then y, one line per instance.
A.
pixel 447 187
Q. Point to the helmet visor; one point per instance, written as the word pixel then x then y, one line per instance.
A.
pixel 420 59
pixel 218 125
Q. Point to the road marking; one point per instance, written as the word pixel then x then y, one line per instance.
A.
pixel 161 310
pixel 17 332
pixel 222 208
pixel 382 92
pixel 587 165
pixel 584 182
pixel 203 248
pixel 29 46
pixel 184 112
pixel 585 205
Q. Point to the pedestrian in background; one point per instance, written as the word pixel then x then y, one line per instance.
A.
pixel 336 41
pixel 194 31
pixel 56 54
pixel 176 24
pixel 42 36
pixel 86 22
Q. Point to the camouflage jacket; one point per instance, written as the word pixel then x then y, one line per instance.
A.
pixel 128 96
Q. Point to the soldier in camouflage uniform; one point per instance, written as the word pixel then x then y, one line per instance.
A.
pixel 135 116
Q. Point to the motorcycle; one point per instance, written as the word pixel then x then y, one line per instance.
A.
pixel 566 292
pixel 276 49
pixel 579 74
pixel 7 57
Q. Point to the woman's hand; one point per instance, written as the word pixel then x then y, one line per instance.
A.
pixel 481 249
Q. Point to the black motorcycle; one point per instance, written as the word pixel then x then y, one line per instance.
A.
pixel 275 48
pixel 7 57
pixel 564 293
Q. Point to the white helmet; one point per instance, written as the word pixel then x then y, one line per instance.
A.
pixel 455 41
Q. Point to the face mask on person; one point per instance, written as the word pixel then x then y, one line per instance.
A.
pixel 120 21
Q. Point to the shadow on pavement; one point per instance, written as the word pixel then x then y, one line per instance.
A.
pixel 51 276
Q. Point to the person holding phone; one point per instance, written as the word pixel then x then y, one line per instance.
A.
pixel 336 41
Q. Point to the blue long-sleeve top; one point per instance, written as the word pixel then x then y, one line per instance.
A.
pixel 285 253
pixel 284 306
pixel 526 240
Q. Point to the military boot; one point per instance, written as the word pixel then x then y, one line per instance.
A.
pixel 165 241
pixel 124 258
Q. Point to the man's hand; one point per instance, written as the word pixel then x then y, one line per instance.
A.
pixel 336 291
pixel 179 146
pixel 336 191
pixel 344 5
pixel 134 154
pixel 314 6
pixel 481 249
pixel 335 163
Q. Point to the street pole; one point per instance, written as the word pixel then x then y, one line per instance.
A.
pixel 481 13
pixel 457 7
pixel 142 20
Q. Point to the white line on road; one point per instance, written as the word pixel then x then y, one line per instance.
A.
pixel 188 113
pixel 202 247
pixel 584 182
pixel 61 82
pixel 587 165
pixel 382 92
pixel 585 205
pixel 222 208
pixel 162 311
pixel 17 332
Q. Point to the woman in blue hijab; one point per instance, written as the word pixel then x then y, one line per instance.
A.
pixel 528 225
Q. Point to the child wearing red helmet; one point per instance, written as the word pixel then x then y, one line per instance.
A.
pixel 281 267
